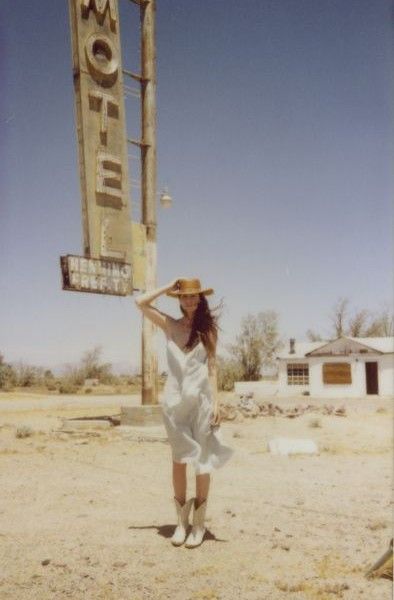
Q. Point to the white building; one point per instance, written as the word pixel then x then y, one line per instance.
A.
pixel 347 367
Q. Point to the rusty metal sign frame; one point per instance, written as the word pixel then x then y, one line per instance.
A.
pixel 97 276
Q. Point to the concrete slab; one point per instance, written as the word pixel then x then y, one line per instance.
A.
pixel 141 415
pixel 85 424
pixel 286 446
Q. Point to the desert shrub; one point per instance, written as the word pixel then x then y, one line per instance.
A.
pixel 88 391
pixel 314 423
pixel 68 387
pixel 93 368
pixel 133 381
pixel 108 378
pixel 8 378
pixel 23 431
pixel 73 376
pixel 28 375
pixel 49 380
pixel 228 371
pixel 256 345
pixel 90 367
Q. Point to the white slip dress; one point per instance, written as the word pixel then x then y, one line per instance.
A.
pixel 187 405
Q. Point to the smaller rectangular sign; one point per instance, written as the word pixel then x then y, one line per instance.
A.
pixel 97 276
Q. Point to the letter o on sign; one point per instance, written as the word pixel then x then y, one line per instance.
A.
pixel 102 60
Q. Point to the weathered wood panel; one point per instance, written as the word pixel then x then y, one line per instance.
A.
pixel 337 373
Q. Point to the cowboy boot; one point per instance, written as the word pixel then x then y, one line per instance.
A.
pixel 183 521
pixel 197 533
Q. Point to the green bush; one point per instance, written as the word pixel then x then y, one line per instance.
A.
pixel 68 388
pixel 8 377
pixel 228 371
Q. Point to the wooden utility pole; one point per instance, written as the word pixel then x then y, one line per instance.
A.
pixel 147 145
pixel 148 189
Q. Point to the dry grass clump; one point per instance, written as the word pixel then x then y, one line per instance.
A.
pixel 377 525
pixel 283 586
pixel 24 431
pixel 314 423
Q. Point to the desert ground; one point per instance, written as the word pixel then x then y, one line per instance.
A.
pixel 88 512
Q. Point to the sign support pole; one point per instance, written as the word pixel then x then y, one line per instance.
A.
pixel 148 190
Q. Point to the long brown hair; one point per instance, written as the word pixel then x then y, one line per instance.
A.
pixel 205 326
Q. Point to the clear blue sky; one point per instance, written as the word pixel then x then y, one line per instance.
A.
pixel 274 137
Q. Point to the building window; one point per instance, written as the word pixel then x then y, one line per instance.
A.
pixel 298 374
pixel 337 373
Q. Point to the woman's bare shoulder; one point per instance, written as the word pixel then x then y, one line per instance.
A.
pixel 172 325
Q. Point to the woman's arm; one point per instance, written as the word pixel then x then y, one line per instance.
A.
pixel 151 312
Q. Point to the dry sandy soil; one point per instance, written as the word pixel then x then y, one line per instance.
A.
pixel 96 506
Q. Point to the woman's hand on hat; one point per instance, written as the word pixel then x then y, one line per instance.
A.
pixel 174 285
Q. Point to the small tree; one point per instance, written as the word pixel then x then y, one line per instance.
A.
pixel 228 372
pixel 8 377
pixel 358 323
pixel 73 376
pixel 363 323
pixel 28 375
pixel 256 345
pixel 270 336
pixel 338 316
pixel 313 336
pixel 382 325
pixel 93 368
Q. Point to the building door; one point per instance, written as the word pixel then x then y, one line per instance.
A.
pixel 371 374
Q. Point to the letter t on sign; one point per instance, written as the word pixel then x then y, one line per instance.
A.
pixel 108 106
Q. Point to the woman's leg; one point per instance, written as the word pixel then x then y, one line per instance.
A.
pixel 179 481
pixel 202 488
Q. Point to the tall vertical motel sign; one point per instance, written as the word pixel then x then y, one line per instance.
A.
pixel 106 266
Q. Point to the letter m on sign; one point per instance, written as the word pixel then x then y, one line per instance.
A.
pixel 100 8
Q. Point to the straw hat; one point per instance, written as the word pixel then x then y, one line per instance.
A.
pixel 189 287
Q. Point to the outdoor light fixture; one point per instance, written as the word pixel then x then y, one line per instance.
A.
pixel 165 199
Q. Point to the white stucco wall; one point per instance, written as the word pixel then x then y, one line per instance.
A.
pixel 386 375
pixel 354 390
pixel 325 390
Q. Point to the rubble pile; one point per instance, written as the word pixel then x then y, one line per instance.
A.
pixel 246 407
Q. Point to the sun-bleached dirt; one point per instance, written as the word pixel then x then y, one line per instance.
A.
pixel 89 514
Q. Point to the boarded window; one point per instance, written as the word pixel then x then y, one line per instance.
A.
pixel 337 373
pixel 297 374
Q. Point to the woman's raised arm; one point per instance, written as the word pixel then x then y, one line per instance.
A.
pixel 151 312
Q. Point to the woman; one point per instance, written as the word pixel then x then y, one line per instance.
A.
pixel 190 400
